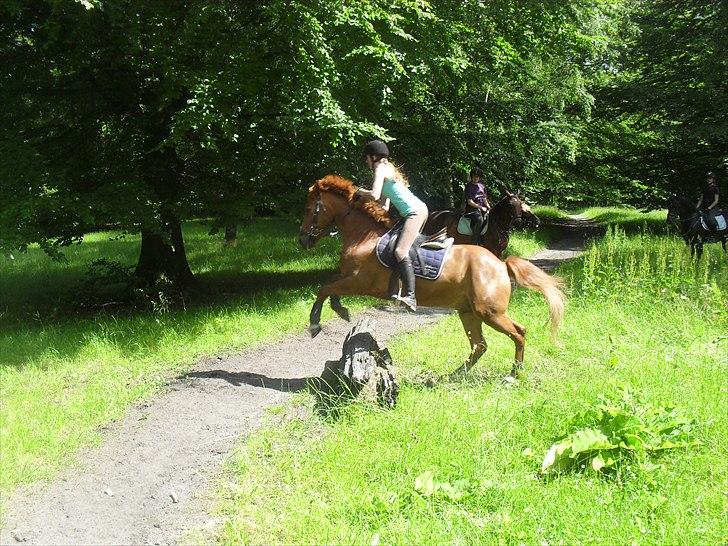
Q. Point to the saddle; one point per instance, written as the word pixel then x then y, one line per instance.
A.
pixel 465 228
pixel 428 253
pixel 721 222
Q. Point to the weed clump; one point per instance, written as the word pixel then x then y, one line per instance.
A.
pixel 618 437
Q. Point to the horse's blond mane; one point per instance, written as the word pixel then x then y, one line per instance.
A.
pixel 346 188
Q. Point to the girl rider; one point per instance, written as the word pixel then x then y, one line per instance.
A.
pixel 477 204
pixel 390 184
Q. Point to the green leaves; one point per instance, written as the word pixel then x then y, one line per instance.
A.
pixel 619 432
pixel 427 486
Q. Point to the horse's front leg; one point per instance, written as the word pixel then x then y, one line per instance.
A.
pixel 335 302
pixel 339 309
pixel 340 287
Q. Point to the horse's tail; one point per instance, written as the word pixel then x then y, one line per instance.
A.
pixel 529 276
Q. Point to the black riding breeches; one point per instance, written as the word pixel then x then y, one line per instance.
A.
pixel 476 223
pixel 710 220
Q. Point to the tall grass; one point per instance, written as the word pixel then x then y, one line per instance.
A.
pixel 630 220
pixel 642 316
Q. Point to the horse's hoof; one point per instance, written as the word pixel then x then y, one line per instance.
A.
pixel 344 313
pixel 314 330
pixel 458 375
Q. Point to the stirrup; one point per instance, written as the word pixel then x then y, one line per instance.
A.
pixel 409 302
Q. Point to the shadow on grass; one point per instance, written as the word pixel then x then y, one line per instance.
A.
pixel 28 337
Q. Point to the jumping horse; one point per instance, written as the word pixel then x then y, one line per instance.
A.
pixel 473 281
pixel 687 217
pixel 508 213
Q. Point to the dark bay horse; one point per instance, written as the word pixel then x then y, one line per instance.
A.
pixel 509 212
pixel 686 216
pixel 473 281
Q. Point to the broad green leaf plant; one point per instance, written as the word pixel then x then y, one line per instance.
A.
pixel 619 433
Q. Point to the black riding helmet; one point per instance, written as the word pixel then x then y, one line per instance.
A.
pixel 710 175
pixel 376 147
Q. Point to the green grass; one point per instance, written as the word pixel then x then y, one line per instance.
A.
pixel 526 242
pixel 548 213
pixel 64 374
pixel 642 316
pixel 630 220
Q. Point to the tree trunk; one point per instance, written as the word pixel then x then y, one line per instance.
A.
pixel 364 370
pixel 164 254
pixel 231 233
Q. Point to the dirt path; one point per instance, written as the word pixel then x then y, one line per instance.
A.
pixel 152 478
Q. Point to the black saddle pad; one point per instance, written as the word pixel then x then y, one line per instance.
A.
pixel 427 263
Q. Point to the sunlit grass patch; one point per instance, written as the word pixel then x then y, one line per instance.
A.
pixel 549 213
pixel 630 220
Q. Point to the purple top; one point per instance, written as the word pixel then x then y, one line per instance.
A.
pixel 476 192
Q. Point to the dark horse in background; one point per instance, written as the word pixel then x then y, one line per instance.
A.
pixel 472 281
pixel 687 217
pixel 508 213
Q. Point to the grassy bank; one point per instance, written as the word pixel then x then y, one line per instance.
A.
pixel 460 462
pixel 66 372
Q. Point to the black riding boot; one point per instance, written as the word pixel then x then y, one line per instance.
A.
pixel 407 274
pixel 393 289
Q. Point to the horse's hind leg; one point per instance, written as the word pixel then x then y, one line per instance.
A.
pixel 474 329
pixel 516 332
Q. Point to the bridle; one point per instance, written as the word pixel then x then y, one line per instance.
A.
pixel 517 215
pixel 314 231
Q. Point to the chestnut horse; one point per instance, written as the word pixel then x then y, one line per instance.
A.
pixel 511 211
pixel 473 281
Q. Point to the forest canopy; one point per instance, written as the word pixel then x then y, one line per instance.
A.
pixel 143 114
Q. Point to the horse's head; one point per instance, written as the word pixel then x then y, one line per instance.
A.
pixel 672 209
pixel 317 220
pixel 679 208
pixel 330 200
pixel 528 217
pixel 521 212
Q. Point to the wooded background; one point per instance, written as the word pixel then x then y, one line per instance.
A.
pixel 142 114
